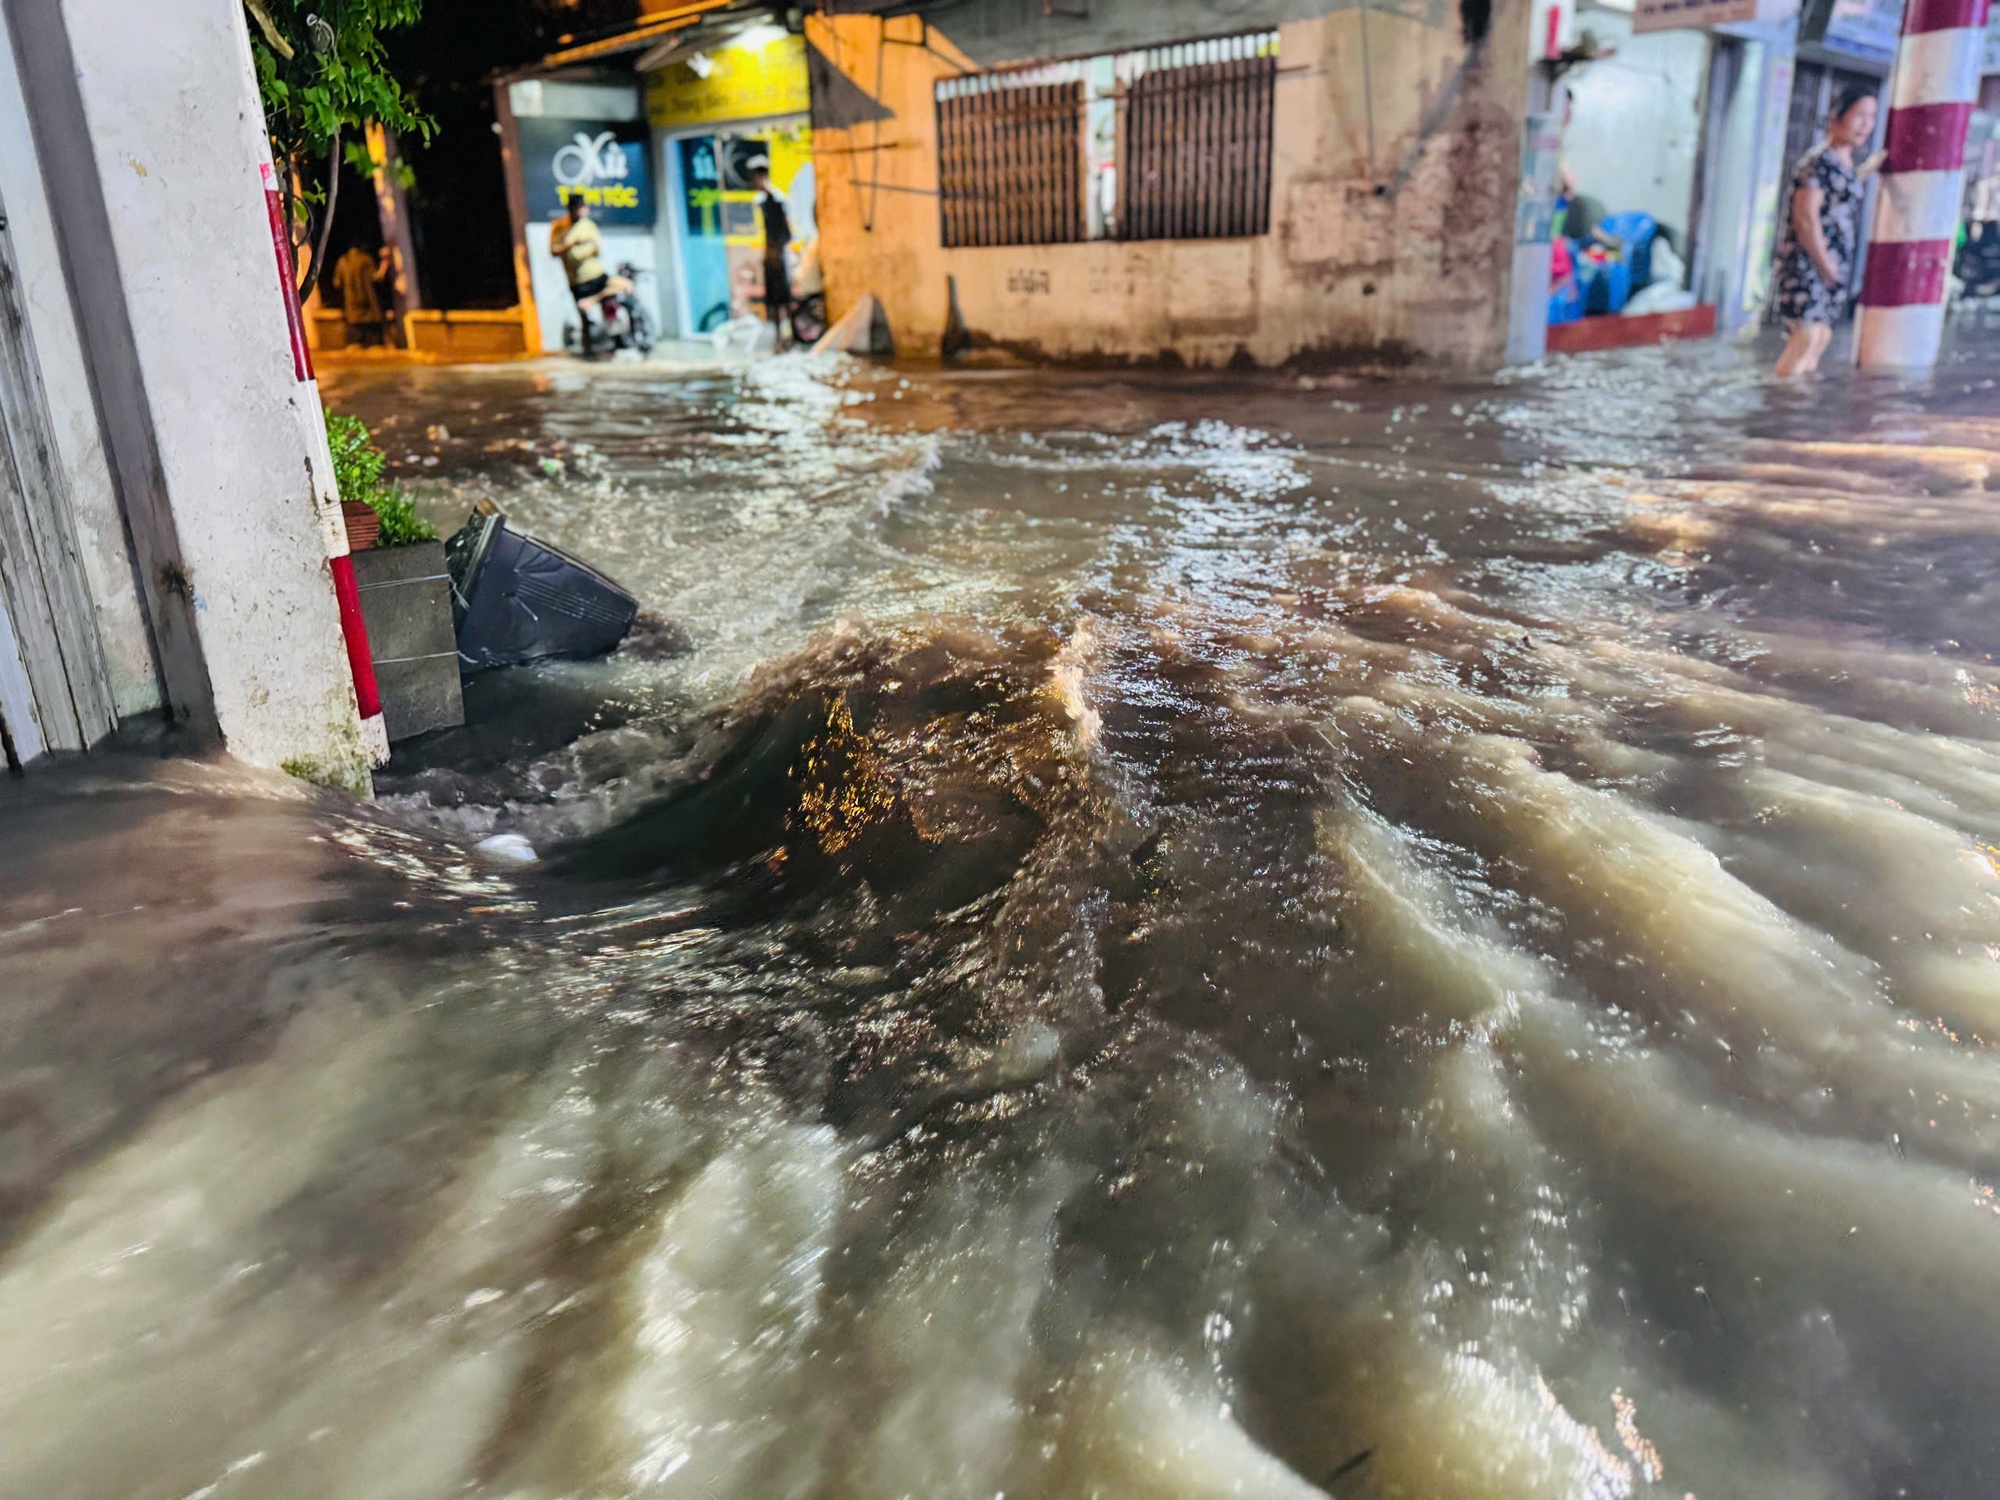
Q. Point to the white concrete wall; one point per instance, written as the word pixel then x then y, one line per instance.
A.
pixel 100 527
pixel 1636 134
pixel 177 134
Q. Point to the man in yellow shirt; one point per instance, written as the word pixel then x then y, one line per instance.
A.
pixel 577 243
pixel 360 307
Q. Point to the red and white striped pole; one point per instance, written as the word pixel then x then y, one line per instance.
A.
pixel 326 495
pixel 1931 95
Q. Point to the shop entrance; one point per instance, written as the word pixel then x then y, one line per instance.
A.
pixel 1633 144
pixel 720 235
pixel 714 112
pixel 1814 88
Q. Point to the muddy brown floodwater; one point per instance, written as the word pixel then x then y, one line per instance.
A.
pixel 1136 937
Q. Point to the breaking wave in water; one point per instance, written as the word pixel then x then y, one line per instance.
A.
pixel 1152 940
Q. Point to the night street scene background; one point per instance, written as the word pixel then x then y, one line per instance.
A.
pixel 1179 751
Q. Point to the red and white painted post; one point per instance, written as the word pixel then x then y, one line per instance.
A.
pixel 1931 96
pixel 326 495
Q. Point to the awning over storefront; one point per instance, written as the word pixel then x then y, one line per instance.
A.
pixel 1671 15
pixel 661 29
pixel 1862 30
pixel 762 73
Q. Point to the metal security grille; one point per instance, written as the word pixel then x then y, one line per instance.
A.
pixel 1197 143
pixel 1010 158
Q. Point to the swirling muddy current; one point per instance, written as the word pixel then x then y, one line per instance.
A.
pixel 1109 936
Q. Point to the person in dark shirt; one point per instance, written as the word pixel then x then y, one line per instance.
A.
pixel 776 215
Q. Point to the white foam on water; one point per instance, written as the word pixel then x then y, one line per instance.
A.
pixel 1136 1426
pixel 725 1304
pixel 124 1310
pixel 1792 1008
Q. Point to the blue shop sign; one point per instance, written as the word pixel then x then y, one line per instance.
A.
pixel 604 162
pixel 1865 29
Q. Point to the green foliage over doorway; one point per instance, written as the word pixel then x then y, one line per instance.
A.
pixel 324 76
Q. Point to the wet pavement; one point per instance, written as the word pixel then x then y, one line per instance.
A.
pixel 1113 935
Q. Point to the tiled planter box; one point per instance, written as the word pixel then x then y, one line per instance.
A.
pixel 406 604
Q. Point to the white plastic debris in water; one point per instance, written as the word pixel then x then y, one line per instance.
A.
pixel 745 338
pixel 506 849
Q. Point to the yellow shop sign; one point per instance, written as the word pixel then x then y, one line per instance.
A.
pixel 745 81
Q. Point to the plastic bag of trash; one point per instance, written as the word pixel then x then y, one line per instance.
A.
pixel 1668 268
pixel 1660 297
pixel 745 338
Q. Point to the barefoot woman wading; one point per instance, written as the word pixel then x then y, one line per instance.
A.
pixel 1822 223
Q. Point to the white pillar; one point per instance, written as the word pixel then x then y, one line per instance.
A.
pixel 151 136
pixel 1931 97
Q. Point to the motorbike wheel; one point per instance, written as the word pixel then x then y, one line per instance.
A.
pixel 809 320
pixel 642 330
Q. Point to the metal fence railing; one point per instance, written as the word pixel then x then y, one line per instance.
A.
pixel 1010 159
pixel 1179 138
pixel 1196 157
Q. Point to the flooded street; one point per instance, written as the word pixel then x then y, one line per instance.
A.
pixel 1112 935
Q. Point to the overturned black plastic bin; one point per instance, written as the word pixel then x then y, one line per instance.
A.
pixel 516 599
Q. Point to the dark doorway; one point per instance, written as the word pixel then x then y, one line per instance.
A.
pixel 458 200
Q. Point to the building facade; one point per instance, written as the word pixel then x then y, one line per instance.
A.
pixel 1122 180
pixel 1137 181
pixel 1163 180
pixel 654 127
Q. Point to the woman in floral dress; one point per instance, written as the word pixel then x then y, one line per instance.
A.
pixel 1822 227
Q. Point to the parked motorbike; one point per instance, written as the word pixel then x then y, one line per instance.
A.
pixel 1978 263
pixel 619 320
pixel 809 319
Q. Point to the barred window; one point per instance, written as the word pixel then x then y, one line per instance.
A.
pixel 1197 141
pixel 1168 143
pixel 1010 157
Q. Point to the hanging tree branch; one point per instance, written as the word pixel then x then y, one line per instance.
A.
pixel 323 78
pixel 317 268
pixel 270 29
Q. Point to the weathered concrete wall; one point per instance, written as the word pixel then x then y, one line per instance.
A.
pixel 99 526
pixel 147 117
pixel 1387 244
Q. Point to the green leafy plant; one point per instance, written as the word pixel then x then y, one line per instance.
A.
pixel 358 464
pixel 401 525
pixel 324 77
pixel 358 469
